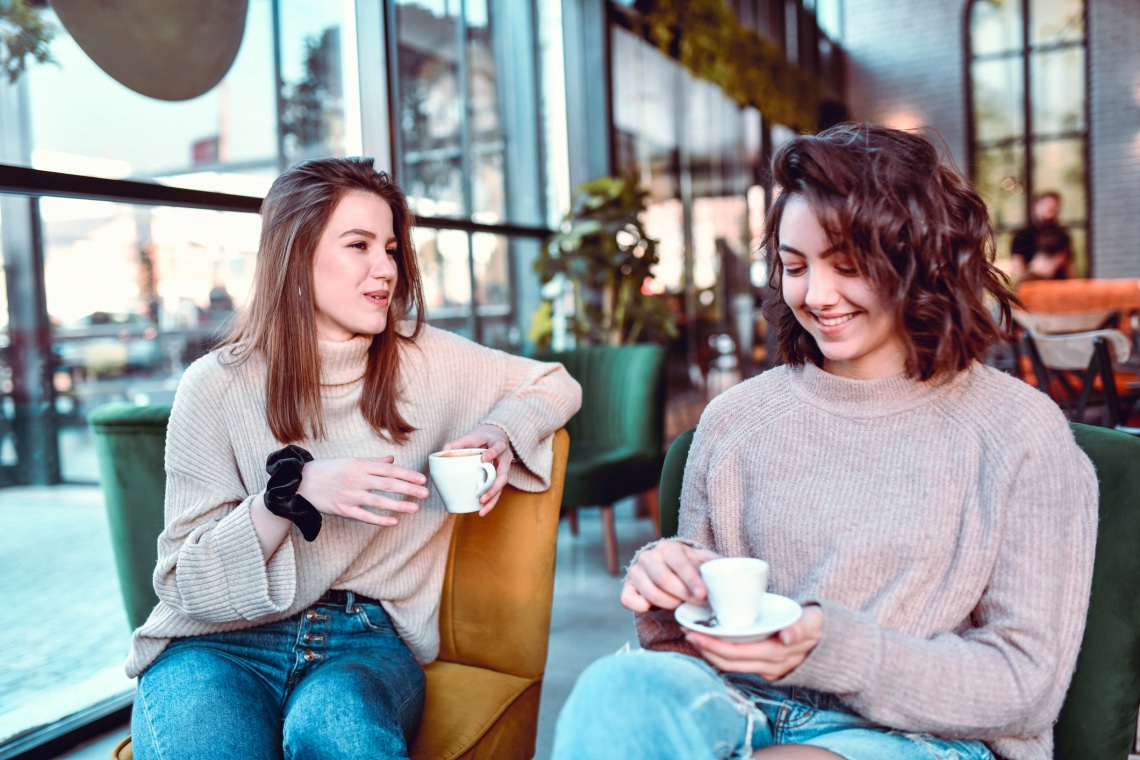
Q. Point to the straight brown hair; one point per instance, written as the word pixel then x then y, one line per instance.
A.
pixel 916 229
pixel 279 323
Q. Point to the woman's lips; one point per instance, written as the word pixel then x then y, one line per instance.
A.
pixel 833 323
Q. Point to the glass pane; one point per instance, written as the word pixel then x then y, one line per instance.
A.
pixel 312 66
pixel 1060 165
pixel 995 26
pixel 430 107
pixel 1079 238
pixel 492 270
pixel 133 293
pixel 84 122
pixel 1001 181
pixel 488 146
pixel 444 266
pixel 1052 21
pixel 1057 80
pixel 998 111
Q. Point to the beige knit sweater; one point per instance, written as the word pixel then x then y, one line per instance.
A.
pixel 946 529
pixel 211 575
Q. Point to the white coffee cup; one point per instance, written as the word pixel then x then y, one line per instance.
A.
pixel 736 587
pixel 461 477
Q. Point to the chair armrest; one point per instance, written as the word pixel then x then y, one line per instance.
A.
pixel 497 594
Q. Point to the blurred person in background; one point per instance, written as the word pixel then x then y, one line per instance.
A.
pixel 1042 250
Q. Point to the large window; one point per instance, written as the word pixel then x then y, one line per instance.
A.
pixel 1028 112
pixel 128 230
pixel 465 106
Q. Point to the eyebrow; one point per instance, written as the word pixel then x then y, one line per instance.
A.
pixel 831 251
pixel 362 233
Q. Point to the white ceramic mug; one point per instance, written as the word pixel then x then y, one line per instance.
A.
pixel 461 477
pixel 736 588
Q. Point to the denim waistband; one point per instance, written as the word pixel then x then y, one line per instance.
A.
pixel 755 686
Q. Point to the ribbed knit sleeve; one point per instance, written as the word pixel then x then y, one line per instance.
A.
pixel 946 529
pixel 210 567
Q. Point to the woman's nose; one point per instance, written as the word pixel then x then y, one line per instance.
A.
pixel 821 290
pixel 384 266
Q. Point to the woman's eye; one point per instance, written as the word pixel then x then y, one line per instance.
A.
pixel 360 245
pixel 847 271
pixel 794 271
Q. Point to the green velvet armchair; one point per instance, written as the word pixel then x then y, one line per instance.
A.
pixel 617 437
pixel 1098 719
pixel 483 692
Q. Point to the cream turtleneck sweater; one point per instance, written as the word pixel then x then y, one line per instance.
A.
pixel 945 528
pixel 211 575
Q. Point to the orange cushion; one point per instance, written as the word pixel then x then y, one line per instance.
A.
pixel 463 703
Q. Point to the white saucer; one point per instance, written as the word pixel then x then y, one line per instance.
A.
pixel 777 613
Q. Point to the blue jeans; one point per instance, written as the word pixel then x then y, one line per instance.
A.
pixel 329 682
pixel 660 705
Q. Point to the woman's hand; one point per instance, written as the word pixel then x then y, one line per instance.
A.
pixel 665 576
pixel 771 658
pixel 344 487
pixel 498 450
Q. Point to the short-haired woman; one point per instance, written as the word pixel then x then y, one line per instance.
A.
pixel 301 565
pixel 933 516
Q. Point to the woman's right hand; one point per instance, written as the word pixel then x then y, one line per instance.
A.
pixel 665 576
pixel 344 487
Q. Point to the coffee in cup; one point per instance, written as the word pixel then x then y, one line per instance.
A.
pixel 461 477
pixel 736 587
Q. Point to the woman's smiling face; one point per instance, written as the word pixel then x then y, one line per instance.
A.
pixel 855 330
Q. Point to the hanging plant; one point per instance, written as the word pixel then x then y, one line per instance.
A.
pixel 23 34
pixel 707 39
pixel 604 252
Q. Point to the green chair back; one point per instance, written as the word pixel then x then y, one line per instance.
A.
pixel 130 446
pixel 1098 719
pixel 617 437
pixel 623 393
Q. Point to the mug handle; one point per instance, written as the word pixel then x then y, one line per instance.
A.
pixel 487 469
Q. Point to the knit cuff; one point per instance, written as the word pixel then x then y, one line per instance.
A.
pixel 847 655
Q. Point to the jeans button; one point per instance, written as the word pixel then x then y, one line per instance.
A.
pixel 310 655
pixel 310 615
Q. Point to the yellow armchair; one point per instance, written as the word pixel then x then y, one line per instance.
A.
pixel 483 690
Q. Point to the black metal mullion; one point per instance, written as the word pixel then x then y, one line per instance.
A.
pixel 1027 108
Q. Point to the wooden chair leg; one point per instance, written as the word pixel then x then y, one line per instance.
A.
pixel 572 518
pixel 609 534
pixel 651 499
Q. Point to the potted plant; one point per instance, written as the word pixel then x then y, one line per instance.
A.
pixel 604 252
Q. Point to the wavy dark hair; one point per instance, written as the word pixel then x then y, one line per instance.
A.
pixel 279 323
pixel 915 228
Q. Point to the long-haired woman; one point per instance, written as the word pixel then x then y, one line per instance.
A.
pixel 302 560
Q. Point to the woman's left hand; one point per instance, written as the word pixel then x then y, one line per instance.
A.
pixel 771 658
pixel 498 450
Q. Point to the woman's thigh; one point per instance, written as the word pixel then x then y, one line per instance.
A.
pixel 364 698
pixel 197 701
pixel 654 705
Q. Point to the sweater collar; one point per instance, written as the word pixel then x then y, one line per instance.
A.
pixel 868 398
pixel 343 362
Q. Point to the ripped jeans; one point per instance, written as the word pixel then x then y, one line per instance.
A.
pixel 660 705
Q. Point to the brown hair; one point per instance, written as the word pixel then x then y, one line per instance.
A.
pixel 916 230
pixel 279 322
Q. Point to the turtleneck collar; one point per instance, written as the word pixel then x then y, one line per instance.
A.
pixel 867 398
pixel 343 362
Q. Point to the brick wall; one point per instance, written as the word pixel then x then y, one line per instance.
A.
pixel 905 68
pixel 1114 139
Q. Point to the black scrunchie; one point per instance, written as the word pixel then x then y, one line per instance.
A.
pixel 281 497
